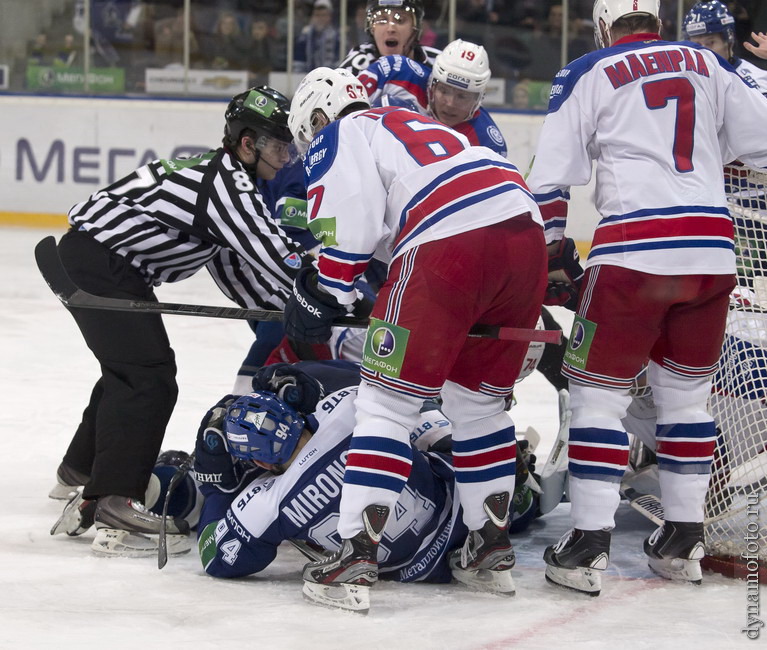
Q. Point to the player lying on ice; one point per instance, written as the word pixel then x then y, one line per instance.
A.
pixel 271 473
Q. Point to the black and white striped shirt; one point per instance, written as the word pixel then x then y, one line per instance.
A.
pixel 170 218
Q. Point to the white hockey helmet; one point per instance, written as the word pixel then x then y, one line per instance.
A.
pixel 327 91
pixel 606 12
pixel 462 65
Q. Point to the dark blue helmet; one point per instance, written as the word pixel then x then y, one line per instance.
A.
pixel 711 17
pixel 262 427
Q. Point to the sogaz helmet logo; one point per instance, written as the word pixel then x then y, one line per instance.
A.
pixel 383 342
pixel 579 335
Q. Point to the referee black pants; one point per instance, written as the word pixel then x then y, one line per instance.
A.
pixel 124 423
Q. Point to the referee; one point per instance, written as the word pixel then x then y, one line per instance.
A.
pixel 163 223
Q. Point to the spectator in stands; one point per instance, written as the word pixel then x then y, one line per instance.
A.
pixel 169 41
pixel 69 54
pixel 259 51
pixel 226 48
pixel 545 44
pixel 317 45
pixel 40 51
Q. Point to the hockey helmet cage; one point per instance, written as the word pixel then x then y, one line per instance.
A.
pixel 411 7
pixel 263 110
pixel 327 90
pixel 606 12
pixel 462 65
pixel 260 426
pixel 710 17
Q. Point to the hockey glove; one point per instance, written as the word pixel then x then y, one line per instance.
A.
pixel 565 274
pixel 310 312
pixel 293 386
pixel 213 465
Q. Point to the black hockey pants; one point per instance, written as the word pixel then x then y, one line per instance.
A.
pixel 123 426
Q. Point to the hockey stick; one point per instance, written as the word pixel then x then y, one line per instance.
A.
pixel 54 273
pixel 178 476
pixel 752 471
pixel 307 551
pixel 647 504
pixel 554 472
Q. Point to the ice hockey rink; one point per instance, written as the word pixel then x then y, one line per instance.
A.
pixel 55 594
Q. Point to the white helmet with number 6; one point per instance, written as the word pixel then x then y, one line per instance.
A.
pixel 606 12
pixel 320 98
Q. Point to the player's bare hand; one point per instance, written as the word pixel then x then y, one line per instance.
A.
pixel 760 49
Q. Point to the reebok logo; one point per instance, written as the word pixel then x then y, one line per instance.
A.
pixel 310 308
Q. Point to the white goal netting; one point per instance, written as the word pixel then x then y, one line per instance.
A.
pixel 736 507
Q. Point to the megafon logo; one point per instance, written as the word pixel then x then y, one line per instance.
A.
pixel 579 334
pixel 383 342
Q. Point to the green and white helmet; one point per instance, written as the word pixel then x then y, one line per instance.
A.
pixel 263 110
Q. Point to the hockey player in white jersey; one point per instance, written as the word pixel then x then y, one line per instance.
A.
pixel 658 119
pixel 451 92
pixel 712 25
pixel 449 219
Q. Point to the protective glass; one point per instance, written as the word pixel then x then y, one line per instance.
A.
pixel 458 97
pixel 275 149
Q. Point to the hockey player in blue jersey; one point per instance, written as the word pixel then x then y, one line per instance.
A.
pixel 451 92
pixel 713 26
pixel 270 473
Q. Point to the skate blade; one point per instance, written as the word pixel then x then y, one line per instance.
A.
pixel 582 579
pixel 112 542
pixel 494 582
pixel 677 569
pixel 71 519
pixel 62 492
pixel 350 598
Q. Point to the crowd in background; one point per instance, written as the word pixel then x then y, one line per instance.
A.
pixel 522 37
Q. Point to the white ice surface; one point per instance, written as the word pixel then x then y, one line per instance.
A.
pixel 55 594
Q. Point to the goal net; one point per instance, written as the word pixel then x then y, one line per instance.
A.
pixel 736 504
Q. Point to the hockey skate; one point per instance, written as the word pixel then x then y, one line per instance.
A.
pixel 77 517
pixel 343 580
pixel 675 551
pixel 485 560
pixel 67 481
pixel 124 527
pixel 578 559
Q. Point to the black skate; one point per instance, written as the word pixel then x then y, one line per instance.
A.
pixel 125 527
pixel 77 517
pixel 578 559
pixel 487 557
pixel 67 482
pixel 675 551
pixel 343 580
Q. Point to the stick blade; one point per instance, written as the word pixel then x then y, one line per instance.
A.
pixel 49 265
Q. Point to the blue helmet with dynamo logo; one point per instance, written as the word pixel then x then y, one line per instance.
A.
pixel 711 17
pixel 262 427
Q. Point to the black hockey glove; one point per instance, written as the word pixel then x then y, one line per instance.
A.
pixel 213 465
pixel 310 312
pixel 565 274
pixel 293 386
